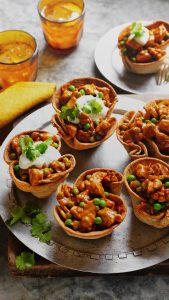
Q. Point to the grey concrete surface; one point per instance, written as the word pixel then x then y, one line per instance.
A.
pixel 101 15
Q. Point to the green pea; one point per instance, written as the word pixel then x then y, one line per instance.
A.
pixel 88 176
pixel 102 203
pixel 98 221
pixel 82 204
pixel 97 207
pixel 166 184
pixel 71 88
pixel 16 168
pixel 96 201
pixel 131 177
pixel 86 126
pixel 154 120
pixel 133 59
pixel 13 156
pixel 147 121
pixel 167 34
pixel 123 51
pixel 96 123
pixel 75 191
pixel 142 119
pixel 100 95
pixel 68 222
pixel 106 194
pixel 122 42
pixel 157 206
pixel 55 145
pixel 98 137
pixel 82 92
pixel 92 139
pixel 163 205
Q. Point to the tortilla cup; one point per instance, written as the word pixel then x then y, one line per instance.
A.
pixel 158 220
pixel 8 146
pixel 48 185
pixel 144 68
pixel 135 151
pixel 92 234
pixel 60 125
pixel 115 187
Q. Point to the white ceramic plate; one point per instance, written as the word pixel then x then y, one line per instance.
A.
pixel 109 63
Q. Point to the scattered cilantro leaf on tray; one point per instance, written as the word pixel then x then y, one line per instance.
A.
pixel 41 228
pixel 25 260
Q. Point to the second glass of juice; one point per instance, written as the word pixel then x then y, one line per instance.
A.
pixel 62 22
pixel 18 57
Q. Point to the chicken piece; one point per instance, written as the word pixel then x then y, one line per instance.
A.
pixel 88 216
pixel 72 101
pixel 66 202
pixel 15 145
pixel 134 134
pixel 58 165
pixel 108 217
pixel 35 176
pixel 161 195
pixel 71 129
pixel 152 185
pixel 156 53
pixel 159 169
pixel 96 187
pixel 83 136
pixel 84 119
pixel 76 212
pixel 90 89
pixel 106 94
pixel 65 97
pixel 133 44
pixel 83 197
pixel 110 177
pixel 149 131
pixel 163 126
pixel 103 127
pixel 35 136
pixel 143 56
pixel 162 141
pixel 151 112
pixel 66 191
pixel 143 171
pixel 159 33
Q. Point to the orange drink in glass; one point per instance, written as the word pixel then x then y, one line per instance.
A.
pixel 62 22
pixel 18 57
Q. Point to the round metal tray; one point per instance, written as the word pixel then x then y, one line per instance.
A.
pixel 132 246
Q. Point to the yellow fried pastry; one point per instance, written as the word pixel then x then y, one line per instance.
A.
pixel 20 97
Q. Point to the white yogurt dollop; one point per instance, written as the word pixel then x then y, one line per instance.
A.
pixel 46 158
pixel 81 101
pixel 142 40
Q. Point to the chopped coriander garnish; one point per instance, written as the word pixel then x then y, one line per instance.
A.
pixel 136 30
pixel 92 107
pixel 25 142
pixel 69 114
pixel 25 260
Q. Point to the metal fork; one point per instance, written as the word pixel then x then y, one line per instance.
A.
pixel 163 74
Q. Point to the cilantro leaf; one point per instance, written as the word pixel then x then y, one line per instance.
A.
pixel 136 30
pixel 92 107
pixel 16 214
pixel 25 142
pixel 42 147
pixel 25 260
pixel 31 209
pixel 69 114
pixel 45 237
pixel 32 153
pixel 26 220
pixel 40 226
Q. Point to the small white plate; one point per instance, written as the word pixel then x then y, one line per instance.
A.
pixel 109 63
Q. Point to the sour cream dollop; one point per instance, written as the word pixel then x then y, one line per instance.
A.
pixel 142 40
pixel 46 158
pixel 81 101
